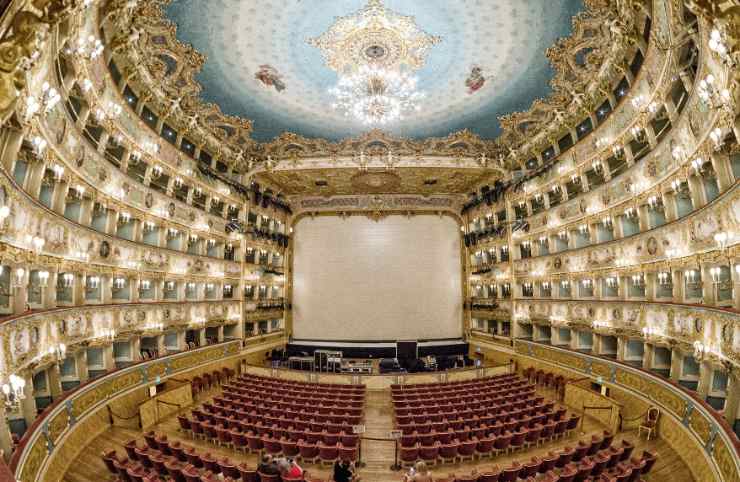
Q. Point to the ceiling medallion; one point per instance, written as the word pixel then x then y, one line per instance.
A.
pixel 375 52
pixel 375 181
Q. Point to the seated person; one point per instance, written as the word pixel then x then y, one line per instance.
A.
pixel 268 466
pixel 419 473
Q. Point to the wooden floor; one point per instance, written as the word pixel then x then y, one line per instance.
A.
pixel 378 456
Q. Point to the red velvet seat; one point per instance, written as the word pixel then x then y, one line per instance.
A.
pixel 448 452
pixel 348 453
pixel 308 452
pixel 492 475
pixel 247 474
pixel 409 455
pixel 429 454
pixel 510 474
pixel 328 454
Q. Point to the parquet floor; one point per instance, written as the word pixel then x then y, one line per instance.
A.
pixel 377 456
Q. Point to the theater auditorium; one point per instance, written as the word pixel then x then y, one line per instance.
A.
pixel 369 240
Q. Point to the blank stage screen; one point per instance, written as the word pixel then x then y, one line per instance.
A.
pixel 362 280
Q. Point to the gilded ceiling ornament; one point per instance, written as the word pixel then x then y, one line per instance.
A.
pixel 374 35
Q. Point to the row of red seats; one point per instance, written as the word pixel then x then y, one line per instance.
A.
pixel 160 460
pixel 459 391
pixel 455 384
pixel 229 401
pixel 289 391
pixel 607 464
pixel 298 420
pixel 483 396
pixel 273 397
pixel 277 383
pixel 508 421
pixel 521 402
pixel 225 433
pixel 446 448
pixel 307 446
pixel 519 435
pixel 208 380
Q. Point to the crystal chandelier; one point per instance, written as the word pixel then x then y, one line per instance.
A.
pixel 375 52
pixel 376 96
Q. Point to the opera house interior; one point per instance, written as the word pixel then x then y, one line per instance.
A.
pixel 370 240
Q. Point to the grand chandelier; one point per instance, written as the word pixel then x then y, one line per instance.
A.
pixel 375 52
pixel 376 96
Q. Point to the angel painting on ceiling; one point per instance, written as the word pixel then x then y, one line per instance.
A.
pixel 270 77
pixel 475 80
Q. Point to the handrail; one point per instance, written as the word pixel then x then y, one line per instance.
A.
pixel 692 403
pixel 37 427
pixel 59 309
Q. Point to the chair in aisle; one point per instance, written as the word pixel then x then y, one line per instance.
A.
pixel 649 423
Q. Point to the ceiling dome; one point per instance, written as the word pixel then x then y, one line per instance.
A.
pixel 489 60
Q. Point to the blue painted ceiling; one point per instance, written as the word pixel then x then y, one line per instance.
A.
pixel 260 67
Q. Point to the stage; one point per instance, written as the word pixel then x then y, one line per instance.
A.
pixel 375 349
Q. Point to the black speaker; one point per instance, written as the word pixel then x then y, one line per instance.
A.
pixel 406 349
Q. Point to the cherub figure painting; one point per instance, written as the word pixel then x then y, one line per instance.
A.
pixel 270 77
pixel 475 80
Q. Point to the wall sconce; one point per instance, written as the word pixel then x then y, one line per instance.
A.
pixel 59 351
pixel 653 202
pixel 108 334
pixel 606 221
pixel 43 278
pixel 612 282
pixel 145 284
pixel 597 166
pixel 92 283
pixel 169 286
pixel 4 213
pixel 697 164
pixel 67 280
pixel 119 283
pixel 717 138
pixel 172 232
pixel 649 332
pixel 209 286
pixel 587 283
pixel 563 235
pixel 715 273
pixel 565 284
pixel 19 279
pixel 149 226
pixel 156 171
pixel 711 96
pixel 677 153
pixel 575 179
pixel 717 44
pixel 721 239
pixel 638 133
pixel 638 280
pixel 124 218
pixel 618 151
pixel 630 212
pixel 700 350
pixel 38 243
pixel 665 278
pixel 13 391
pixel 583 228
pixel 692 278
pixel 599 324
pixel 39 145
